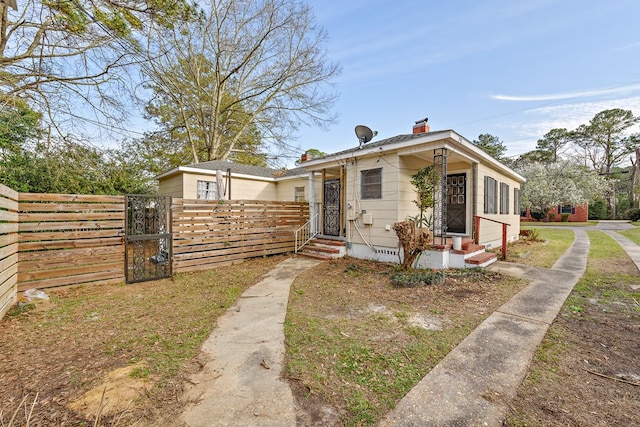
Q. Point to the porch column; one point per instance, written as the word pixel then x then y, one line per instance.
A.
pixel 312 200
pixel 440 195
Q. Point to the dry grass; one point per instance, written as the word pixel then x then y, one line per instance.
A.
pixel 356 344
pixel 63 348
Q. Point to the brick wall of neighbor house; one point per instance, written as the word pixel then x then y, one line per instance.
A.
pixel 581 214
pixel 8 249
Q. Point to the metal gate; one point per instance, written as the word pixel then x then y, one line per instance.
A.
pixel 147 238
pixel 331 223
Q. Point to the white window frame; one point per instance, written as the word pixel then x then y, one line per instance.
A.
pixel 370 187
pixel 207 190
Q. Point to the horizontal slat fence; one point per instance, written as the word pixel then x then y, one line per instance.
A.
pixel 70 239
pixel 54 240
pixel 209 234
pixel 8 249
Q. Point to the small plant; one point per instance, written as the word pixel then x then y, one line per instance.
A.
pixel 565 217
pixel 415 279
pixel 20 308
pixel 140 372
pixel 534 235
pixel 576 308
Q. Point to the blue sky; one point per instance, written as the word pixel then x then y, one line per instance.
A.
pixel 512 68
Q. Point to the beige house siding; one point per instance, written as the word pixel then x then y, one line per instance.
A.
pixel 384 210
pixel 491 232
pixel 286 187
pixel 253 189
pixel 171 186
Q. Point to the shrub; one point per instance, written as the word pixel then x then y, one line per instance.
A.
pixel 537 215
pixel 565 217
pixel 598 209
pixel 415 279
pixel 632 214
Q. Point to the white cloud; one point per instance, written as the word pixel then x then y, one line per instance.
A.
pixel 536 122
pixel 557 96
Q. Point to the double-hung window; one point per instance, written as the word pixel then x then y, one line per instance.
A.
pixel 371 183
pixel 207 190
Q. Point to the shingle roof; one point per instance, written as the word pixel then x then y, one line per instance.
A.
pixel 240 168
pixel 382 142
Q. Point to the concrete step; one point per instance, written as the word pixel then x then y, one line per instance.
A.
pixel 482 259
pixel 329 242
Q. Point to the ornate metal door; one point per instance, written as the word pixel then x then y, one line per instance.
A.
pixel 331 223
pixel 457 203
pixel 147 238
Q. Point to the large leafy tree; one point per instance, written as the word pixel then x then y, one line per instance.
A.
pixel 67 59
pixel 67 166
pixel 241 79
pixel 550 146
pixel 607 139
pixel 562 182
pixel 491 145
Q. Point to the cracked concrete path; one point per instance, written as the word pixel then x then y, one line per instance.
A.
pixel 240 383
pixel 473 383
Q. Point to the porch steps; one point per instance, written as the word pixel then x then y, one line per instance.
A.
pixel 483 259
pixel 471 256
pixel 320 248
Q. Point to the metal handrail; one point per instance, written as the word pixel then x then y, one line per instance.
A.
pixel 504 233
pixel 306 233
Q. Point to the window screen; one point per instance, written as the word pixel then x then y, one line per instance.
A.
pixel 371 184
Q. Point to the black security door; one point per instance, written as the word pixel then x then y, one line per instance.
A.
pixel 147 238
pixel 457 203
pixel 331 223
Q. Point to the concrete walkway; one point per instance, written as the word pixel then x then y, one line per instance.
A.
pixel 240 383
pixel 474 383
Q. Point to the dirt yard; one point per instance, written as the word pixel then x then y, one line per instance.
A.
pixel 587 370
pixel 71 352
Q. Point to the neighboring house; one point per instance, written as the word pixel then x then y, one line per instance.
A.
pixel 573 213
pixel 366 189
pixel 223 180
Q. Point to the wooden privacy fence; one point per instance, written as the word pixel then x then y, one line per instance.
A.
pixel 53 240
pixel 8 248
pixel 208 234
pixel 70 239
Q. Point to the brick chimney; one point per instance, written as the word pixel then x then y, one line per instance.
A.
pixel 421 126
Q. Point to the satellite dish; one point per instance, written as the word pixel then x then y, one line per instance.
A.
pixel 364 134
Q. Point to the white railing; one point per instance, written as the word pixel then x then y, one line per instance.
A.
pixel 307 232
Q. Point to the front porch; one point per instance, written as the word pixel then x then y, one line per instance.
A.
pixel 456 252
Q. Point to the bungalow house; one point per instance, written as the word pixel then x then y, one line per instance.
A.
pixel 223 180
pixel 355 196
pixel 366 189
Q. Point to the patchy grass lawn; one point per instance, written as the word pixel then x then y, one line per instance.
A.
pixel 586 372
pixel 632 234
pixel 543 248
pixel 356 344
pixel 60 349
